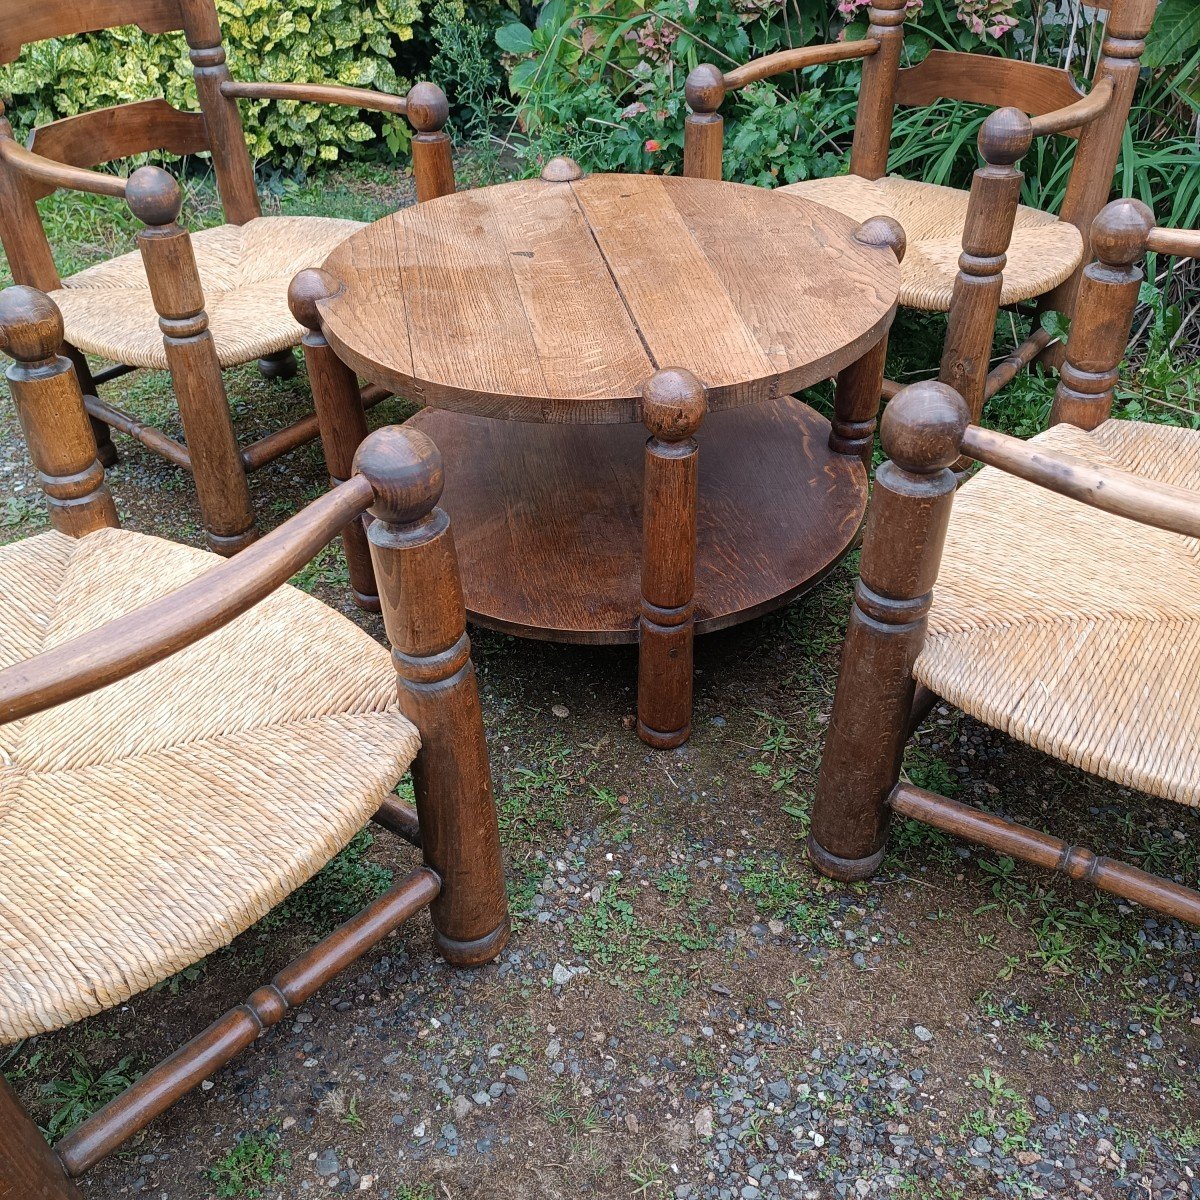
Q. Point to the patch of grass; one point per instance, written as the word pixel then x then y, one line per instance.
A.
pixel 415 1191
pixel 83 1091
pixel 1005 1118
pixel 778 892
pixel 533 799
pixel 327 570
pixel 347 884
pixel 255 1163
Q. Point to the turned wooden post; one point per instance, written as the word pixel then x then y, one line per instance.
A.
pixel 29 1169
pixel 340 416
pixel 704 127
pixel 859 387
pixel 1099 149
pixel 877 91
pixel 217 466
pixel 673 405
pixel 433 167
pixel 421 596
pixel 50 406
pixel 910 509
pixel 992 209
pixel 30 259
pixel 223 119
pixel 1108 294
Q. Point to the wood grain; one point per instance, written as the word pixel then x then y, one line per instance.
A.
pixel 985 79
pixel 555 301
pixel 21 24
pixel 548 518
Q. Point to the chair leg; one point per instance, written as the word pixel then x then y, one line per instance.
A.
pixel 421 597
pixel 280 365
pixel 217 465
pixel 29 1169
pixel 910 510
pixel 106 452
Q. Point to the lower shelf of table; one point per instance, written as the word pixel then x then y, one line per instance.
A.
pixel 548 518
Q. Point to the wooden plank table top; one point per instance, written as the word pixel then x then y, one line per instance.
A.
pixel 555 301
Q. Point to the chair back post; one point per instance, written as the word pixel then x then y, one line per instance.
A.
pixel 50 405
pixel 1108 294
pixel 906 530
pixel 1090 182
pixel 340 418
pixel 877 95
pixel 226 137
pixel 421 596
pixel 30 258
pixel 991 212
pixel 704 127
pixel 178 296
pixel 29 1169
pixel 433 166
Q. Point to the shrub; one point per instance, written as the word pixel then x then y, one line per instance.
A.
pixel 352 42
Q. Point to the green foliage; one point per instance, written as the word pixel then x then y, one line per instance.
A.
pixel 253 1164
pixel 352 42
pixel 82 1091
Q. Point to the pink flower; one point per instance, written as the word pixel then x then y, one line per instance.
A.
pixel 652 147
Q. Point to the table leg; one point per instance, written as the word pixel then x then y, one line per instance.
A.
pixel 673 405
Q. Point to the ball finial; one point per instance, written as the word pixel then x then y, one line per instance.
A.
pixel 923 427
pixel 154 197
pixel 705 89
pixel 405 469
pixel 1005 137
pixel 427 107
pixel 31 327
pixel 673 405
pixel 1120 230
pixel 562 170
pixel 883 231
pixel 306 291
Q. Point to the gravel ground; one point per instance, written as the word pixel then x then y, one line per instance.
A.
pixel 685 1009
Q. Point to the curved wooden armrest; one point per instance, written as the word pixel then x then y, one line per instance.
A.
pixel 1184 243
pixel 168 624
pixel 59 175
pixel 797 59
pixel 1109 489
pixel 317 93
pixel 1075 116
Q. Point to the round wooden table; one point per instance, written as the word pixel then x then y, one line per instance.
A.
pixel 531 319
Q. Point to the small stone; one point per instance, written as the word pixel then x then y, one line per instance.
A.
pixel 462 1107
pixel 327 1163
pixel 779 1089
pixel 561 710
pixel 518 1073
pixel 631 1123
pixel 922 1034
pixel 703 1122
pixel 562 974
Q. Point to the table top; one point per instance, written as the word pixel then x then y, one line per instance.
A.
pixel 549 300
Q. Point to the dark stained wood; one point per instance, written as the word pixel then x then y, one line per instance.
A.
pixel 1183 242
pixel 548 518
pixel 1071 119
pixel 106 452
pixel 26 246
pixel 21 24
pixel 413 550
pixel 1042 850
pixel 433 169
pixel 57 431
pixel 1109 489
pixel 401 818
pixel 987 79
pixel 556 301
pixel 877 91
pixel 1108 294
pixel 104 134
pixel 151 438
pixel 991 213
pixel 1012 364
pixel 341 417
pixel 46 176
pixel 673 407
pixel 29 1169
pixel 906 529
pixel 216 460
pixel 796 59
pixel 283 441
pixel 314 93
pixel 161 1086
pixel 704 127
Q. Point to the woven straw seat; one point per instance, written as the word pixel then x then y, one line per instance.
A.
pixel 1073 630
pixel 1044 250
pixel 244 270
pixel 148 824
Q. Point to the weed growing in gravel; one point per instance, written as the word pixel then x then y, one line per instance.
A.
pixel 535 799
pixel 254 1163
pixel 83 1091
pixel 778 892
pixel 1005 1119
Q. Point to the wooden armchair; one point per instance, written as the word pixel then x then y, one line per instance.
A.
pixel 194 304
pixel 982 249
pixel 184 741
pixel 1059 601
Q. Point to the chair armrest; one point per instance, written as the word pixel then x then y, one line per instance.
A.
pixel 1184 243
pixel 59 175
pixel 1075 116
pixel 317 93
pixel 797 59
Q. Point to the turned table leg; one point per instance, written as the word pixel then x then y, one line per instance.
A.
pixel 673 405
